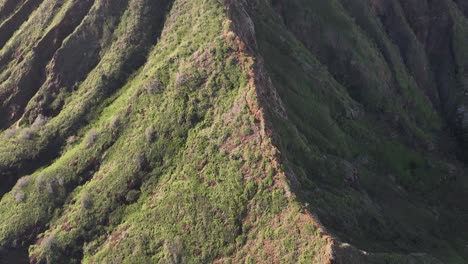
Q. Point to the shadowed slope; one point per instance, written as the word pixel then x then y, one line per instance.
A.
pixel 363 141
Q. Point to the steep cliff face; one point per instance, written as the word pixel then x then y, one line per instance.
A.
pixel 143 131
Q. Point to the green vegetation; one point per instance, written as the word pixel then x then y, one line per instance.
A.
pixel 199 131
pixel 361 132
pixel 158 162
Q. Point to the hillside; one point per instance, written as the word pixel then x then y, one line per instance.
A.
pixel 233 131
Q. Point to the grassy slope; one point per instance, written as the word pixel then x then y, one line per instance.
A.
pixel 164 164
pixel 150 139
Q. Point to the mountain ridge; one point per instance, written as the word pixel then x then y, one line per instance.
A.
pixel 233 131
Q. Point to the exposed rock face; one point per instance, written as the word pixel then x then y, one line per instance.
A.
pixel 260 131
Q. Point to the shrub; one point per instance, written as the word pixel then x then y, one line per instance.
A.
pixel 140 160
pixel 153 86
pixel 11 132
pixel 45 184
pixel 181 79
pixel 60 181
pixel 92 137
pixel 175 250
pixel 150 134
pixel 18 196
pixel 115 122
pixel 27 133
pixel 39 182
pixel 86 201
pixel 48 242
pixel 49 186
pixel 40 121
pixel 132 196
pixel 22 182
pixel 71 140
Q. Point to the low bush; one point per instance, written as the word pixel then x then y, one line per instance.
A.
pixel 19 196
pixel 150 134
pixel 40 121
pixel 91 137
pixel 11 132
pixel 22 182
pixel 27 133
pixel 154 86
pixel 86 201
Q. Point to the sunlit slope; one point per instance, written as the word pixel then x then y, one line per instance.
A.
pixel 140 141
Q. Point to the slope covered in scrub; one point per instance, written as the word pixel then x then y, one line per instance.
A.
pixel 139 141
pixel 200 131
